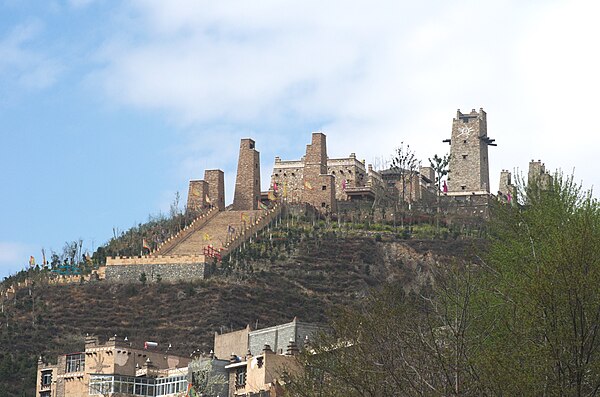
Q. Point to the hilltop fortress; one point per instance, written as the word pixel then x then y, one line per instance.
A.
pixel 327 187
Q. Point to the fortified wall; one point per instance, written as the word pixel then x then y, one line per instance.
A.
pixel 300 180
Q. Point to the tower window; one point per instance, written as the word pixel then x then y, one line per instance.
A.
pixel 464 156
pixel 463 187
pixel 465 141
pixel 324 187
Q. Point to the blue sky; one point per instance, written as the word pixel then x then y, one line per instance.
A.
pixel 108 108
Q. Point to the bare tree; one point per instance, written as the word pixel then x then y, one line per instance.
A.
pixel 440 168
pixel 405 163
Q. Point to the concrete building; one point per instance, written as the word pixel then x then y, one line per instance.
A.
pixel 258 358
pixel 112 367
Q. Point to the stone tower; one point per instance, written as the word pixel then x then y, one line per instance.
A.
pixel 216 188
pixel 247 182
pixel 538 175
pixel 197 196
pixel 318 187
pixel 469 165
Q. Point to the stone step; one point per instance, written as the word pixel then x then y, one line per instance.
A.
pixel 215 232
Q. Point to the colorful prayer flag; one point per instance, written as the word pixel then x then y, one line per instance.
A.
pixel 271 196
pixel 445 187
pixel 307 185
pixel 275 187
pixel 262 205
pixel 145 244
pixel 206 237
pixel 244 217
pixel 31 261
pixel 344 184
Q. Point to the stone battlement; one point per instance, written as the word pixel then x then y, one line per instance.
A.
pixel 155 260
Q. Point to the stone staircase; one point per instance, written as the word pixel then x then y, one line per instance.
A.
pixel 216 232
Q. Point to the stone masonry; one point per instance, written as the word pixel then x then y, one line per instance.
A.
pixel 247 182
pixel 318 187
pixel 216 188
pixel 469 164
pixel 538 174
pixel 171 269
pixel 197 195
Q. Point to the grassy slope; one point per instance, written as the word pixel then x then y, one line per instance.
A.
pixel 278 282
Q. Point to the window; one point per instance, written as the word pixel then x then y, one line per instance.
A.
pixel 75 362
pixel 464 156
pixel 105 384
pixel 45 393
pixel 240 378
pixel 324 187
pixel 465 141
pixel 323 205
pixel 46 378
pixel 463 187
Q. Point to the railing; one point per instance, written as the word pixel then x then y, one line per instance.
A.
pixel 247 232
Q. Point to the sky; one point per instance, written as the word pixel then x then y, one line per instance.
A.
pixel 109 108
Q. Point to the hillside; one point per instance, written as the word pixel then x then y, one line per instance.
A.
pixel 280 275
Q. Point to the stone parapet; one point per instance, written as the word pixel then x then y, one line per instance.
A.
pixel 154 260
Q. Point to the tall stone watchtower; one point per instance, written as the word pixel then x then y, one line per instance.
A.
pixel 215 180
pixel 247 182
pixel 318 187
pixel 469 165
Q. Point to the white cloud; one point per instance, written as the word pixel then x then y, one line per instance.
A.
pixel 30 68
pixel 370 74
pixel 14 256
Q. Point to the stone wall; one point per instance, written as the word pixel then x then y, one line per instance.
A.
pixel 469 164
pixel 197 195
pixel 169 272
pixel 318 187
pixel 216 188
pixel 348 172
pixel 247 182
